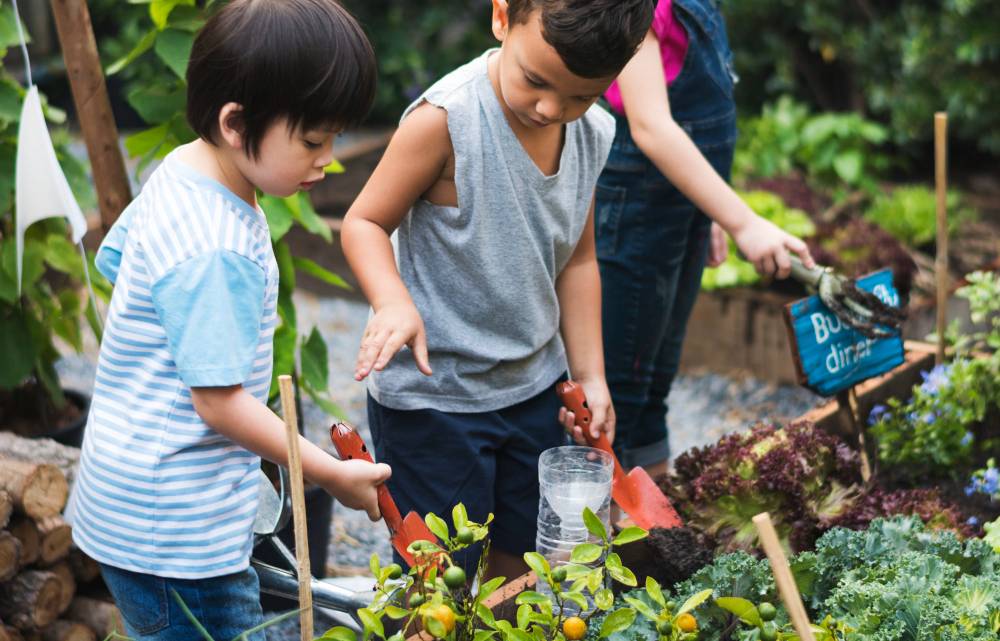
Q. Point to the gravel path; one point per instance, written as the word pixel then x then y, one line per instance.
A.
pixel 703 408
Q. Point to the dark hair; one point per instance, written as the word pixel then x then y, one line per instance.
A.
pixel 594 38
pixel 304 60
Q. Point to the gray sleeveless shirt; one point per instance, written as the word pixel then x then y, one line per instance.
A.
pixel 482 274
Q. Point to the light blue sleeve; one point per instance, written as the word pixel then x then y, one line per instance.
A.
pixel 109 254
pixel 211 307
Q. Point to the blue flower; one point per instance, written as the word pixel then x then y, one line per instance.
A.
pixel 877 413
pixel 973 521
pixel 991 480
pixel 967 439
pixel 934 379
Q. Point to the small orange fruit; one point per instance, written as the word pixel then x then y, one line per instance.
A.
pixel 574 628
pixel 444 615
pixel 686 622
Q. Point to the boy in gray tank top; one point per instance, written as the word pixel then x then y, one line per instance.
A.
pixel 490 275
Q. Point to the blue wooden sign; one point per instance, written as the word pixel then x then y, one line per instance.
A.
pixel 831 356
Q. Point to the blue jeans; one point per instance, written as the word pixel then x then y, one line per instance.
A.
pixel 652 242
pixel 226 606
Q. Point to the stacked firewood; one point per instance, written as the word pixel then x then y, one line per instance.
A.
pixel 40 569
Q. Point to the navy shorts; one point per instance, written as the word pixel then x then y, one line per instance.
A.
pixel 487 461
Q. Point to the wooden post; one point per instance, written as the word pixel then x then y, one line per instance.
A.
pixel 93 109
pixel 941 261
pixel 298 506
pixel 847 402
pixel 783 577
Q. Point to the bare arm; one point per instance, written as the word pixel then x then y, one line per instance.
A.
pixel 234 413
pixel 578 288
pixel 413 162
pixel 667 145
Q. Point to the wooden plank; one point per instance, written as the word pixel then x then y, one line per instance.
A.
pixel 831 356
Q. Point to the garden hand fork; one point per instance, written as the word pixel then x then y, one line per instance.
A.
pixel 634 492
pixel 855 307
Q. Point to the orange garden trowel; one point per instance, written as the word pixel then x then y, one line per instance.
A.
pixel 402 531
pixel 635 493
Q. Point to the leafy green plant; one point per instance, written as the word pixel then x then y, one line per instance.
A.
pixel 910 214
pixel 933 431
pixel 158 95
pixel 52 303
pixel 441 599
pixel 836 152
pixel 737 272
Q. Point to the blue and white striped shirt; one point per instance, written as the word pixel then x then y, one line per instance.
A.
pixel 194 305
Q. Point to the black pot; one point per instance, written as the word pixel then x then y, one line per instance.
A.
pixel 319 508
pixel 72 434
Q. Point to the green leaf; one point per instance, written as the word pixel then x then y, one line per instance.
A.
pixel 158 102
pixel 339 633
pixel 459 517
pixel 396 613
pixel 309 267
pixel 630 534
pixel 654 591
pixel 309 219
pixel 373 623
pixel 594 525
pixel 586 553
pixel 745 610
pixel 523 615
pixel 373 564
pixel 604 599
pixel 538 563
pixel 695 601
pixel 11 100
pixel 17 348
pixel 595 579
pixel 576 597
pixel 334 167
pixel 145 44
pixel 173 47
pixel 530 597
pixel 315 368
pixel 617 621
pixel 489 587
pixel 8 27
pixel 146 141
pixel 520 635
pixel 642 607
pixel 484 635
pixel 435 627
pixel 159 10
pixel 436 525
pixel 848 166
pixel 61 255
pixel 485 615
pixel 278 214
pixel 624 576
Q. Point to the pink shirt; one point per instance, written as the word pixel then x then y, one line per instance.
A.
pixel 673 45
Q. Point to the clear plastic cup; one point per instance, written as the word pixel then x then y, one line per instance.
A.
pixel 570 479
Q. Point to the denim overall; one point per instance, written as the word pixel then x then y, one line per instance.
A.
pixel 652 242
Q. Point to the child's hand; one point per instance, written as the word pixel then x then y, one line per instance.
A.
pixel 388 330
pixel 601 410
pixel 355 484
pixel 767 246
pixel 718 246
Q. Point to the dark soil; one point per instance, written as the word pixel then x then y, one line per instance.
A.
pixel 668 555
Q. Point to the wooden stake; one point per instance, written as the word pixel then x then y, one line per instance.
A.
pixel 783 576
pixel 941 262
pixel 847 401
pixel 298 506
pixel 93 109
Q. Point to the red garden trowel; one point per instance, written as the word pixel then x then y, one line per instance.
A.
pixel 635 492
pixel 402 531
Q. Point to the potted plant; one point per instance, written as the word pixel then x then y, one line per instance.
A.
pixel 52 302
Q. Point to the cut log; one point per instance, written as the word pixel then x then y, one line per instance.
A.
pixel 85 569
pixel 100 616
pixel 37 489
pixel 10 556
pixel 67 584
pixel 41 450
pixel 6 507
pixel 63 630
pixel 30 600
pixel 55 539
pixel 26 532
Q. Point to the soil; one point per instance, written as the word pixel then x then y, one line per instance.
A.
pixel 28 411
pixel 668 555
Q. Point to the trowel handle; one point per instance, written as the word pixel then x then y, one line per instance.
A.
pixel 575 401
pixel 350 445
pixel 805 275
